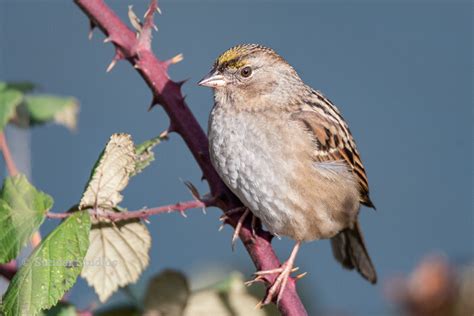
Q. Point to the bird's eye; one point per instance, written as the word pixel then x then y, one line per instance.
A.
pixel 246 72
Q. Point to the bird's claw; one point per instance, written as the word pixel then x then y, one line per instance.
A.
pixel 258 278
pixel 238 227
pixel 226 217
pixel 277 287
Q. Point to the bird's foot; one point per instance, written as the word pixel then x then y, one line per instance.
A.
pixel 260 275
pixel 277 287
pixel 245 212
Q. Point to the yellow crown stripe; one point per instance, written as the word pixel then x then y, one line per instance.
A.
pixel 228 56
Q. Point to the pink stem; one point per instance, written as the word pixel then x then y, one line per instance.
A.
pixel 120 216
pixel 12 170
pixel 8 270
pixel 168 93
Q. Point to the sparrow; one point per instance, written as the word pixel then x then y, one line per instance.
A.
pixel 285 150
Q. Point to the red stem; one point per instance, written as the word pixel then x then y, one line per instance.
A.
pixel 8 270
pixel 168 94
pixel 120 216
pixel 12 170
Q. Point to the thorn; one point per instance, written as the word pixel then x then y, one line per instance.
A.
pixel 184 214
pixel 146 220
pixel 221 227
pixel 238 227
pixel 224 219
pixel 174 60
pixel 158 10
pixel 181 82
pixel 253 224
pixel 259 305
pixel 299 276
pixel 111 65
pixel 155 27
pixel 164 134
pixel 107 40
pixel 194 191
pixel 254 280
pixel 153 6
pixel 148 11
pixel 92 26
pixel 134 20
pixel 153 103
pixel 294 269
pixel 137 67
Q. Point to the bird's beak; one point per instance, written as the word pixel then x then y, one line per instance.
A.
pixel 213 80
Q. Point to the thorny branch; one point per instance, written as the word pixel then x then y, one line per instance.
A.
pixel 143 214
pixel 166 92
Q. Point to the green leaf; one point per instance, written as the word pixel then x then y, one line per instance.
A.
pixel 51 269
pixel 22 210
pixel 9 100
pixel 110 174
pixel 22 86
pixel 45 108
pixel 145 155
pixel 117 255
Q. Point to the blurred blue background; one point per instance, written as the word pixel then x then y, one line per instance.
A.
pixel 400 72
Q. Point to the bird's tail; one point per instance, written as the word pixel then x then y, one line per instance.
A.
pixel 349 249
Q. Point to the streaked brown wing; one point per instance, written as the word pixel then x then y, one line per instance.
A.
pixel 334 142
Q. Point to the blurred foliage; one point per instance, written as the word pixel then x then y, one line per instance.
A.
pixel 19 106
pixel 110 255
pixel 435 288
pixel 169 294
pixel 61 309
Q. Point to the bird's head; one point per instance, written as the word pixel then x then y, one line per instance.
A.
pixel 248 71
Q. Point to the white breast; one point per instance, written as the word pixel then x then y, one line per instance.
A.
pixel 257 164
pixel 250 159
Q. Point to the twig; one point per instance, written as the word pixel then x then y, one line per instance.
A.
pixel 7 156
pixel 143 214
pixel 168 93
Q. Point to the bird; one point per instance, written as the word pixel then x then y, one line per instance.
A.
pixel 287 153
